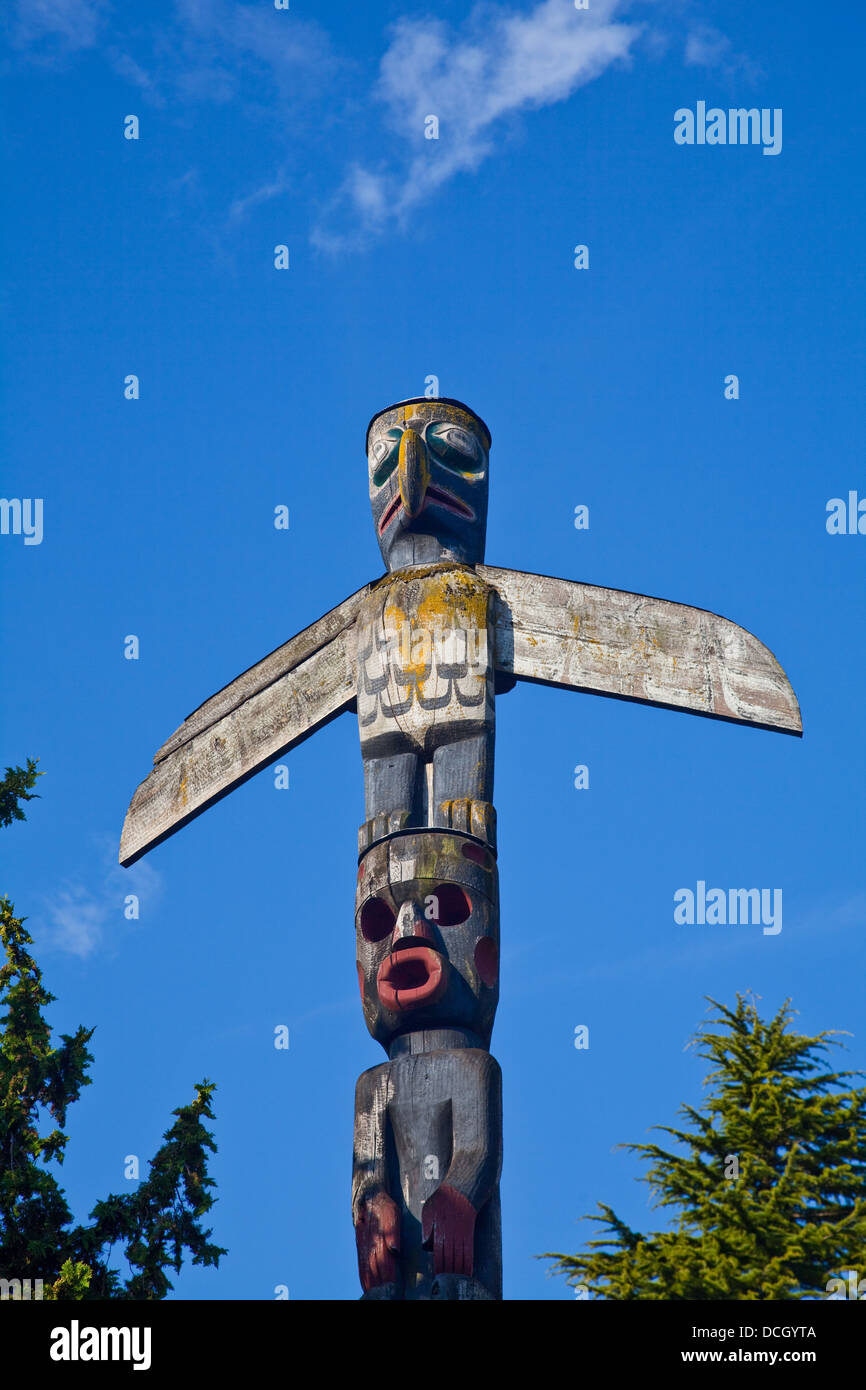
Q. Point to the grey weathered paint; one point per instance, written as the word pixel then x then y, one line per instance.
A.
pixel 611 642
pixel 428 1125
pixel 553 631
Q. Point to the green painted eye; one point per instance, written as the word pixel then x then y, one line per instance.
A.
pixel 385 453
pixel 384 471
pixel 456 447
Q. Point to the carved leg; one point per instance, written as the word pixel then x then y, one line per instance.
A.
pixel 463 787
pixel 460 1222
pixel 389 796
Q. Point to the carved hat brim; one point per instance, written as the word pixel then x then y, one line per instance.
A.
pixel 431 400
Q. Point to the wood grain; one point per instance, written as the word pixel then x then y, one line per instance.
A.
pixel 285 658
pixel 610 642
pixel 428 1127
pixel 553 631
pixel 253 732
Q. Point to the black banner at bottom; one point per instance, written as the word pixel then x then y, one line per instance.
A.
pixel 81 1340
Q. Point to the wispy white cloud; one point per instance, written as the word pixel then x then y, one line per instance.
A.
pixel 206 50
pixel 241 207
pixel 504 60
pixel 223 51
pixel 499 64
pixel 132 72
pixel 86 914
pixel 61 24
pixel 708 47
pixel 273 65
pixel 76 920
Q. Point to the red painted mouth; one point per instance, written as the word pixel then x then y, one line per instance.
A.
pixel 441 498
pixel 437 497
pixel 390 512
pixel 411 977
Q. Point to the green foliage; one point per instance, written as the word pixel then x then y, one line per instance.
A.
pixel 768 1189
pixel 16 786
pixel 157 1221
pixel 33 1074
pixel 161 1218
pixel 72 1285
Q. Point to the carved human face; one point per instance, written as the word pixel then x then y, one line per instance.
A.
pixel 427 933
pixel 428 466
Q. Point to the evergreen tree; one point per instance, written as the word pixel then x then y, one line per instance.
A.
pixel 17 786
pixel 768 1189
pixel 158 1221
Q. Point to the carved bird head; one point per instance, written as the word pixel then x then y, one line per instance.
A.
pixel 428 464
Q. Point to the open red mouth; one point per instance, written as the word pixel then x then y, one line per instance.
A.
pixel 435 496
pixel 408 978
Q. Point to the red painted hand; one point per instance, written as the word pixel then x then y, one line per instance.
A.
pixel 448 1228
pixel 377 1235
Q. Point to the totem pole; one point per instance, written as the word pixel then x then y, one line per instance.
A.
pixel 421 654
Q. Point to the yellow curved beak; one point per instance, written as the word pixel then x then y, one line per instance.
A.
pixel 413 471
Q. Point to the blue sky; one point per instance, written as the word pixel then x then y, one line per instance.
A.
pixel 603 387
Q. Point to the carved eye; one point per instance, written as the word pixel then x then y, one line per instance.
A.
pixel 377 920
pixel 384 452
pixel 448 905
pixel 456 447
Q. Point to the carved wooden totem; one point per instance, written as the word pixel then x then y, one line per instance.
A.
pixel 428 1123
pixel 420 655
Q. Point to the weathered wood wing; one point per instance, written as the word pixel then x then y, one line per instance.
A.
pixel 267 710
pixel 610 642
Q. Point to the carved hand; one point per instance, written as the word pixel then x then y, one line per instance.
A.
pixel 377 1235
pixel 448 1228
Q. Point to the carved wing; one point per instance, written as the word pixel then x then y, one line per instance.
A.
pixel 634 647
pixel 269 709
